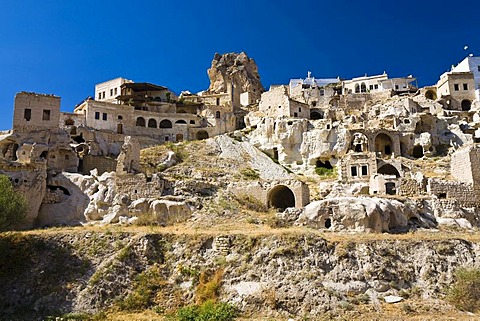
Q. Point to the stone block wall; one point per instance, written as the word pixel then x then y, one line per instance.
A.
pixel 410 188
pixel 466 194
pixel 137 186
pixel 101 163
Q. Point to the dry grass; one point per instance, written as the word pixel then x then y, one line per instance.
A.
pixel 235 228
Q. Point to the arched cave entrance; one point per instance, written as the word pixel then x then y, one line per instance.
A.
pixel 201 134
pixel 281 197
pixel 466 104
pixel 316 114
pixel 388 169
pixel 383 144
pixel 417 151
pixel 430 94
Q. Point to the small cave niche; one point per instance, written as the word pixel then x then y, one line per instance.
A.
pixel 79 139
pixel 54 188
pixel 323 164
pixel 328 223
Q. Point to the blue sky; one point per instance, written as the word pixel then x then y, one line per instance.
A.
pixel 66 47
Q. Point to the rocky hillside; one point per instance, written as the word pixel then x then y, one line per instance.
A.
pixel 273 274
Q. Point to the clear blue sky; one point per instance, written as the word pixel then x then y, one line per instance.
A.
pixel 65 47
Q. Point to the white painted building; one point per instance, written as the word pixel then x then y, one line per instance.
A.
pixel 471 64
pixel 108 91
pixel 378 83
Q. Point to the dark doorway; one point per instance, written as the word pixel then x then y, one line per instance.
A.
pixel 417 151
pixel 390 188
pixel 281 197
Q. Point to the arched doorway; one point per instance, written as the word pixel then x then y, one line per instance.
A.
pixel 316 114
pixel 140 122
pixel 152 123
pixel 281 197
pixel 363 88
pixel 466 104
pixel 357 88
pixel 165 124
pixel 201 134
pixel 388 169
pixel 359 143
pixel 383 144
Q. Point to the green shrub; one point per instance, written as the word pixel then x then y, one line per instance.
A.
pixel 464 293
pixel 325 172
pixel 249 173
pixel 13 206
pixel 208 311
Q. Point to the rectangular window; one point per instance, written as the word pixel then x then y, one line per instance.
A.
pixel 111 92
pixel 364 170
pixel 104 116
pixel 456 87
pixel 295 114
pixel 465 86
pixel 371 87
pixel 167 138
pixel 115 91
pixel 376 86
pixel 46 114
pixel 27 114
pixel 103 95
pixel 99 95
pixel 97 115
pixel 396 87
pixel 353 170
pixel 478 68
pixel 299 110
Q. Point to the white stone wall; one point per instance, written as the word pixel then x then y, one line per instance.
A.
pixel 371 82
pixel 108 90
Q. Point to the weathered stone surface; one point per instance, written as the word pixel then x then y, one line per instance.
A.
pixel 357 214
pixel 237 70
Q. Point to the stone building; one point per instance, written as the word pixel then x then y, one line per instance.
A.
pixel 35 111
pixel 378 83
pixel 457 90
pixel 314 92
pixel 471 64
pixel 277 103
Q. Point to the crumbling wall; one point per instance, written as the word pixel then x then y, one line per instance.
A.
pixel 101 163
pixel 137 186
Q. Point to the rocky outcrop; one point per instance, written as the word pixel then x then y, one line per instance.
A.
pixel 358 214
pixel 237 70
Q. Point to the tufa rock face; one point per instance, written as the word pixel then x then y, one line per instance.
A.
pixel 238 70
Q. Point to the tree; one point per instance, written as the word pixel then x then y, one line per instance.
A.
pixel 13 206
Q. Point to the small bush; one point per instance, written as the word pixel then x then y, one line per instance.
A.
pixel 325 172
pixel 464 293
pixel 146 286
pixel 249 173
pixel 208 311
pixel 208 286
pixel 13 206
